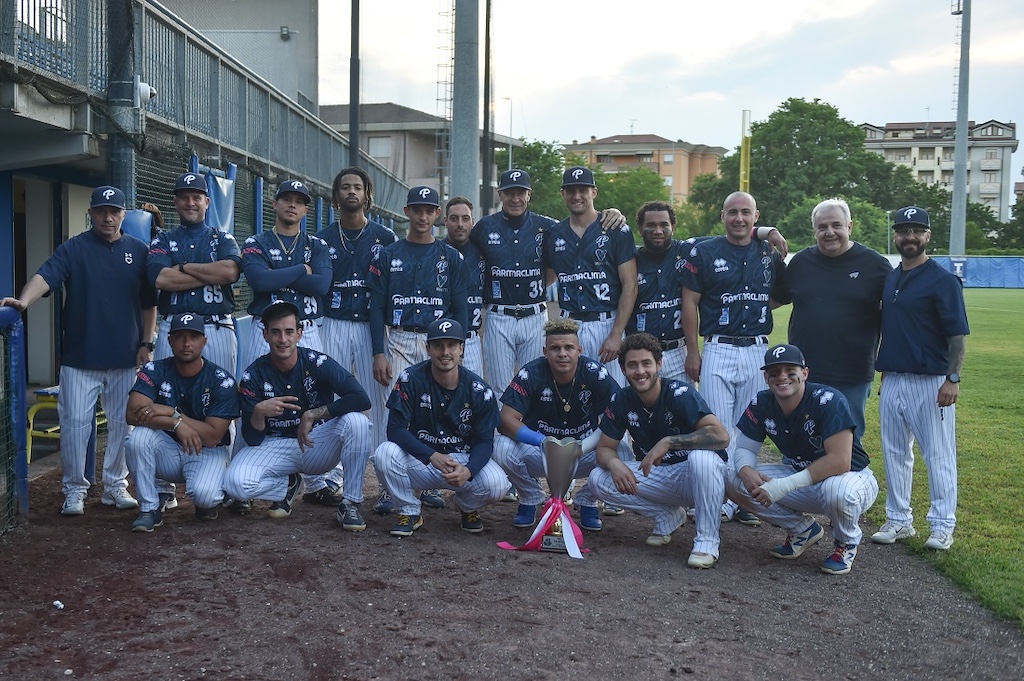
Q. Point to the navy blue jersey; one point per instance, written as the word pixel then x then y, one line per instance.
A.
pixel 534 394
pixel 801 436
pixel 659 309
pixel 413 284
pixel 276 273
pixel 442 420
pixel 211 392
pixel 677 411
pixel 921 309
pixel 474 284
pixel 836 316
pixel 735 284
pixel 588 268
pixel 349 297
pixel 193 243
pixel 105 291
pixel 513 250
pixel 315 379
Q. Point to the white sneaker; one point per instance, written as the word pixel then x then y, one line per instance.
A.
pixel 939 540
pixel 659 539
pixel 120 498
pixel 700 560
pixel 74 504
pixel 890 532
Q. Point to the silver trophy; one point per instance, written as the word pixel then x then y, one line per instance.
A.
pixel 561 457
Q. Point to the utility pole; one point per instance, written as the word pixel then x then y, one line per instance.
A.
pixel 958 215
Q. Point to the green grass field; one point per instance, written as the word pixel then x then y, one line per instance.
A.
pixel 987 560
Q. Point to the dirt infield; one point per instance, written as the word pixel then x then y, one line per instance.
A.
pixel 254 598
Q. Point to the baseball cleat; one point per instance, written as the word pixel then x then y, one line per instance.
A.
pixel 890 532
pixel 796 544
pixel 350 517
pixel 432 498
pixel 745 517
pixel 237 506
pixel 659 540
pixel 206 513
pixel 526 515
pixel 283 508
pixel 406 525
pixel 471 522
pixel 385 504
pixel 939 540
pixel 841 560
pixel 701 560
pixel 147 521
pixel 74 504
pixel 589 519
pixel 330 495
pixel 511 495
pixel 119 498
pixel 168 501
pixel 613 510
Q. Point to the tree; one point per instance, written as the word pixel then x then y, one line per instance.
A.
pixel 628 189
pixel 544 162
pixel 1011 234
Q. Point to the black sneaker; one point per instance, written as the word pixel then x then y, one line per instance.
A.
pixel 283 508
pixel 432 498
pixel 206 513
pixel 746 517
pixel 471 522
pixel 328 496
pixel 237 506
pixel 350 517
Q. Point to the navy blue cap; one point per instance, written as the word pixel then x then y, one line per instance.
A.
pixel 912 215
pixel 193 181
pixel 107 196
pixel 423 196
pixel 578 175
pixel 296 186
pixel 515 178
pixel 784 354
pixel 189 321
pixel 445 328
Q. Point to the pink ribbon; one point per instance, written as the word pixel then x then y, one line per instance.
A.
pixel 554 509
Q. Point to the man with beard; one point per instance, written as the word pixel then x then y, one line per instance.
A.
pixel 924 329
pixel 458 220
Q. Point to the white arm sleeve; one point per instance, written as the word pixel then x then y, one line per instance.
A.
pixel 746 451
pixel 590 442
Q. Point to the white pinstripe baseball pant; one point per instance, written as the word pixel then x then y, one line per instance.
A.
pixel 405 348
pixel 698 483
pixel 511 343
pixel 261 472
pixel 401 474
pixel 221 345
pixel 473 357
pixel 730 378
pixel 592 335
pixel 153 454
pixel 843 499
pixel 908 410
pixel 525 463
pixel 349 344
pixel 76 411
pixel 673 366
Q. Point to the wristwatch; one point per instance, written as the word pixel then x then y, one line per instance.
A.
pixel 953 378
pixel 181 267
pixel 148 346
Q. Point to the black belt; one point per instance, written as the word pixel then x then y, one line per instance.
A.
pixel 519 311
pixel 411 328
pixel 673 344
pixel 589 316
pixel 738 341
pixel 223 320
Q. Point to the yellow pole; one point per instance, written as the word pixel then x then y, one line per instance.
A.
pixel 745 152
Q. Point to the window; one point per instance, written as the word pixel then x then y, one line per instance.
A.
pixel 668 180
pixel 990 177
pixel 947 154
pixel 927 155
pixel 379 147
pixel 645 158
pixel 926 177
pixel 991 153
pixel 604 158
pixel 667 158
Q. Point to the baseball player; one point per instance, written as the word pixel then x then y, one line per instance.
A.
pixel 288 264
pixel 836 287
pixel 679 448
pixel 729 279
pixel 824 468
pixel 511 243
pixel 924 329
pixel 458 219
pixel 596 270
pixel 181 407
pixel 441 434
pixel 194 266
pixel 561 394
pixel 353 242
pixel 107 325
pixel 301 413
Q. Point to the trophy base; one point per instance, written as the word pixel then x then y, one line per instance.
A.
pixel 552 542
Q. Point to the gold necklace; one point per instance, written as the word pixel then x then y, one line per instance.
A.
pixel 345 241
pixel 566 407
pixel 283 247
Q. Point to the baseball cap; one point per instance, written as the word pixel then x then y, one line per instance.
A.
pixel 295 186
pixel 107 196
pixel 784 354
pixel 187 321
pixel 445 328
pixel 192 181
pixel 912 215
pixel 514 178
pixel 423 196
pixel 578 175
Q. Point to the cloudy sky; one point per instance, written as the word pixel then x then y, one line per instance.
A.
pixel 686 69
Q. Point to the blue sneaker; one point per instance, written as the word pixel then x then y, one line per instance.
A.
pixel 432 498
pixel 841 560
pixel 406 525
pixel 385 504
pixel 526 515
pixel 796 544
pixel 148 521
pixel 589 519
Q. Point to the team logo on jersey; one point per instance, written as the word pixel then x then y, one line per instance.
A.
pixel 275 253
pixel 854 275
pixel 640 279
pixel 559 245
pixel 680 265
pixel 205 399
pixel 307 255
pixel 810 426
pixel 479 387
pixel 545 395
pixel 425 401
pixel 585 396
pixel 404 378
pixel 602 374
pixel 268 390
pixel 173 245
pixel 165 389
pixel 493 239
pixel 227 382
pixel 634 419
pixel 333 252
pixel 396 265
pixel 720 265
pixel 669 416
pixel 245 375
pixel 771 427
pixel 602 241
pixel 150 365
pixel 442 265
pixel 317 357
pixel 376 249
pixel 523 375
pixel 296 185
pixel 679 390
pixel 824 396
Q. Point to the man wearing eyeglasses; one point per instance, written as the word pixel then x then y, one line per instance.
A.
pixel 924 327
